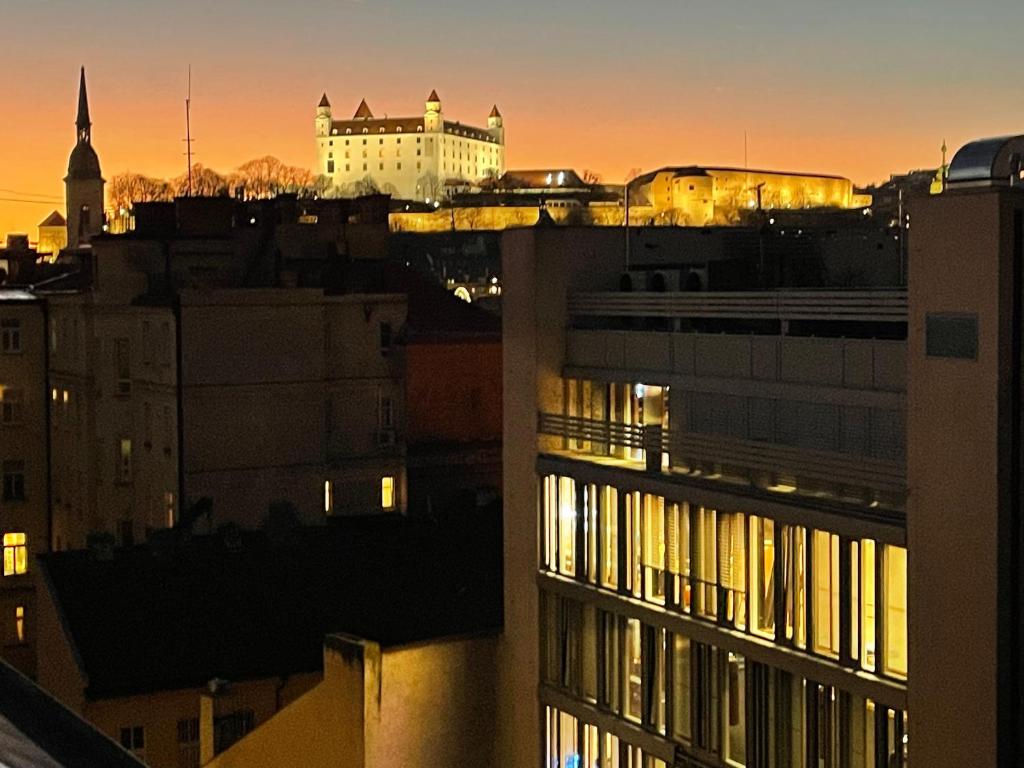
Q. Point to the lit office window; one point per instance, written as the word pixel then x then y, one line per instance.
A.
pixel 895 566
pixel 732 562
pixel 633 541
pixel 706 562
pixel 654 548
pixel 170 509
pixel 762 576
pixel 387 492
pixel 678 544
pixel 549 509
pixel 567 526
pixel 591 504
pixel 609 521
pixel 825 560
pixel 867 604
pixel 15 554
pixel 794 581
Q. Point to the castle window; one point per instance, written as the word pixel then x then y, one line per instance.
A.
pixel 398 130
pixel 417 139
pixel 330 166
pixel 364 142
pixel 364 166
pixel 330 143
pixel 366 130
pixel 346 142
pixel 381 131
pixel 346 154
pixel 419 166
pixel 399 166
pixel 382 140
pixel 347 167
pixel 348 131
pixel 364 153
pixel 382 166
pixel 334 132
pixel 330 155
pixel 399 139
pixel 420 129
pixel 419 152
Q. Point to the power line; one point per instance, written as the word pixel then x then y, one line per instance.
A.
pixel 22 200
pixel 31 194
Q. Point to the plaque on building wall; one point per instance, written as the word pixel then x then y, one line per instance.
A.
pixel 951 335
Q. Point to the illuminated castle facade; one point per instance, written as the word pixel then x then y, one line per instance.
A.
pixel 409 157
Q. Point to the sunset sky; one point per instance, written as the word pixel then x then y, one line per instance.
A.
pixel 862 89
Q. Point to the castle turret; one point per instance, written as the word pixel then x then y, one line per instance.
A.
pixel 432 119
pixel 323 117
pixel 83 186
pixel 495 125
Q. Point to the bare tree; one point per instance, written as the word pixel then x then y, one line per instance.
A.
pixel 128 188
pixel 430 186
pixel 591 177
pixel 205 183
pixel 366 186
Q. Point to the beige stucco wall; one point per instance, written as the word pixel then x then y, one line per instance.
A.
pixel 960 261
pixel 426 705
pixel 437 705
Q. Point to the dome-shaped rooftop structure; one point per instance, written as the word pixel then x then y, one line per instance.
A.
pixel 83 163
pixel 988 162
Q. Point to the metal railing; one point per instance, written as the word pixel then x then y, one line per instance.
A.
pixel 858 306
pixel 688 449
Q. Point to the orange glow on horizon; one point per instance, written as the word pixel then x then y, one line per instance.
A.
pixel 545 127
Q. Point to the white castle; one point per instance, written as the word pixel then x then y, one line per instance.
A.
pixel 409 157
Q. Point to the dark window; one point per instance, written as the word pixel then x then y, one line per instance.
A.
pixel 385 338
pixel 330 166
pixel 14 480
pixel 951 335
pixel 10 336
pixel 133 739
pixel 230 728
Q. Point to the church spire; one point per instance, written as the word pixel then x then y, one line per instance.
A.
pixel 83 123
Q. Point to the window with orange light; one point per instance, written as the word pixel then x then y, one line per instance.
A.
pixel 15 554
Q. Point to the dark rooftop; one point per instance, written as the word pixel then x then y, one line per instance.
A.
pixel 36 730
pixel 169 618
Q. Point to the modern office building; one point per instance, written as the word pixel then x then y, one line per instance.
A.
pixel 705 509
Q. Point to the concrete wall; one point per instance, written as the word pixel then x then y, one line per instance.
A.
pixel 958 454
pixel 453 392
pixel 437 705
pixel 426 705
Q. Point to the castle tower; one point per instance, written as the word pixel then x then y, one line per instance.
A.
pixel 495 125
pixel 432 119
pixel 323 117
pixel 83 186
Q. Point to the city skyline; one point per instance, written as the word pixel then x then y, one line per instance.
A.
pixel 587 92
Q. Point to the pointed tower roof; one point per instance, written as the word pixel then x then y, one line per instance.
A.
pixel 433 96
pixel 83 121
pixel 54 220
pixel 324 102
pixel 83 163
pixel 363 113
pixel 494 111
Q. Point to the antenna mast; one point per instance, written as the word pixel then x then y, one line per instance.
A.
pixel 188 129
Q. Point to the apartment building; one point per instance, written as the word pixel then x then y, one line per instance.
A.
pixel 24 503
pixel 705 510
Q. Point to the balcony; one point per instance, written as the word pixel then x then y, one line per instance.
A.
pixel 876 484
pixel 784 307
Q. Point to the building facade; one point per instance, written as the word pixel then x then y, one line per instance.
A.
pixel 413 158
pixel 24 495
pixel 705 525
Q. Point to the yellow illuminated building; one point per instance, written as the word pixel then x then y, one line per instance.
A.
pixel 701 196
